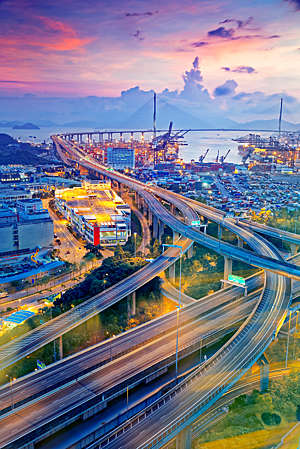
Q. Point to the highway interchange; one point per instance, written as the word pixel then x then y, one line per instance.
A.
pixel 205 384
pixel 248 344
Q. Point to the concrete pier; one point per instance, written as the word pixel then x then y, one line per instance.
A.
pixel 131 304
pixel 240 242
pixel 264 368
pixel 227 267
pixel 176 236
pixel 172 273
pixel 61 348
pixel 220 232
pixel 184 439
pixel 190 251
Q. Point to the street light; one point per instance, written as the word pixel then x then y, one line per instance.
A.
pixel 134 235
pixel 178 307
pixel 177 341
pixel 181 252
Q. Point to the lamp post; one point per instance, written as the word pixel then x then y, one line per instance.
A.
pixel 177 341
pixel 134 234
pixel 181 252
pixel 178 307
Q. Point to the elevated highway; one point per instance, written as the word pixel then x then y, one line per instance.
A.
pixel 37 412
pixel 259 259
pixel 173 413
pixel 26 344
pixel 264 229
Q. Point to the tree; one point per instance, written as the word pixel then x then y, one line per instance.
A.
pixel 119 252
pixel 156 249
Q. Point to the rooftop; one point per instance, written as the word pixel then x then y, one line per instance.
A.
pixel 96 203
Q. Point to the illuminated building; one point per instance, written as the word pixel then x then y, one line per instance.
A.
pixel 96 212
pixel 120 158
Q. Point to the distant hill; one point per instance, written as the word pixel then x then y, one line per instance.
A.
pixel 143 117
pixel 269 125
pixel 27 125
pixel 14 152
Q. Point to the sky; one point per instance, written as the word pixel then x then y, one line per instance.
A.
pixel 246 50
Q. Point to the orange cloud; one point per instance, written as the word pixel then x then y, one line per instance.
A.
pixel 60 36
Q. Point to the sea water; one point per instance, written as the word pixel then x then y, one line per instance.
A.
pixel 195 143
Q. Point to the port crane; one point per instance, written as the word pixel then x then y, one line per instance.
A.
pixel 217 157
pixel 247 154
pixel 160 143
pixel 203 156
pixel 222 158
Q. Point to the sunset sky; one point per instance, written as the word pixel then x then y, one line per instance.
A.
pixel 80 48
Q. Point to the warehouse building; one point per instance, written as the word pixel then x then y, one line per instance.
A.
pixel 96 212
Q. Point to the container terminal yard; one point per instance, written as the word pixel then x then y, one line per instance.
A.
pixel 268 176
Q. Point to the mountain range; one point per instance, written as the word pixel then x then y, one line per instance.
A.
pixel 97 113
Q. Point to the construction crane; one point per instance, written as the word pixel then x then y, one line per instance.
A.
pixel 222 158
pixel 217 158
pixel 247 154
pixel 203 156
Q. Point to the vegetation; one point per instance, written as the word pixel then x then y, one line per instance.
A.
pixel 202 273
pixel 112 270
pixel 257 411
pixel 14 152
pixel 111 322
pixel 250 416
pixel 286 219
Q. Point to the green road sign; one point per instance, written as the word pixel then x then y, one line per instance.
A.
pixel 196 223
pixel 236 279
pixel 40 365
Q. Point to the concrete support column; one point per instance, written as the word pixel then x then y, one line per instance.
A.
pixel 172 210
pixel 142 205
pixel 219 231
pixel 184 439
pixel 131 304
pixel 190 252
pixel 149 217
pixel 294 248
pixel 176 236
pixel 145 210
pixel 227 267
pixel 240 242
pixel 172 272
pixel 161 227
pixel 155 227
pixel 264 368
pixel 61 349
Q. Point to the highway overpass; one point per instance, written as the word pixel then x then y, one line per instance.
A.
pixel 221 371
pixel 174 412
